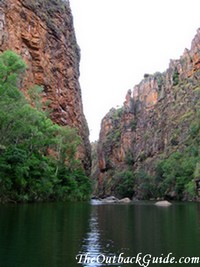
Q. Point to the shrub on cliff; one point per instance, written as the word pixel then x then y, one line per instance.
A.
pixel 37 159
pixel 175 77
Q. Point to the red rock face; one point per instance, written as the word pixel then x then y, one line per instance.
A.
pixel 42 33
pixel 154 119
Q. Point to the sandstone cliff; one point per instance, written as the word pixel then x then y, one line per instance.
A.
pixel 42 33
pixel 155 121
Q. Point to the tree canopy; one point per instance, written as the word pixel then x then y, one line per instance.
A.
pixel 37 157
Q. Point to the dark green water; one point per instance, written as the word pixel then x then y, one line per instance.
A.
pixel 51 235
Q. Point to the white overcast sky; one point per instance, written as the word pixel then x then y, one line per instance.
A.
pixel 120 41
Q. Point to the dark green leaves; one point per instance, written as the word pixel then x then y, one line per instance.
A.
pixel 37 157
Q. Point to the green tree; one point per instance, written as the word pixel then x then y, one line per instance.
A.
pixel 11 69
pixel 145 185
pixel 176 173
pixel 197 171
pixel 37 157
pixel 125 183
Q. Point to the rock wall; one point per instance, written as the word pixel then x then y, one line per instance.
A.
pixel 154 121
pixel 42 33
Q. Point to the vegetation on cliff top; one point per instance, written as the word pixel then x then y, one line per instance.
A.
pixel 48 10
pixel 37 157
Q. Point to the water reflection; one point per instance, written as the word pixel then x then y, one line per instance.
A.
pixel 42 235
pixel 141 228
pixel 51 235
pixel 91 244
pixel 96 248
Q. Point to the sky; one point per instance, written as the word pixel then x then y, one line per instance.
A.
pixel 120 41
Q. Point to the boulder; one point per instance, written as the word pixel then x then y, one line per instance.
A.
pixel 125 200
pixel 163 203
pixel 110 199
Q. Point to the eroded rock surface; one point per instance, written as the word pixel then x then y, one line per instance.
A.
pixel 154 121
pixel 42 33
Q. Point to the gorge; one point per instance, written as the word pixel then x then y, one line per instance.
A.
pixel 148 148
pixel 148 152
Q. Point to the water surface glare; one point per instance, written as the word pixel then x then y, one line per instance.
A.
pixel 51 235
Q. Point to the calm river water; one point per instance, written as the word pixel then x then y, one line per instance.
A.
pixel 51 235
